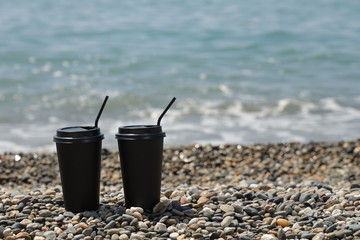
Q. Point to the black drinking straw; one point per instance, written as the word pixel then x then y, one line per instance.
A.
pixel 100 112
pixel 166 109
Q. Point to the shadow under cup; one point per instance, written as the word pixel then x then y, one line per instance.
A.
pixel 141 155
pixel 79 157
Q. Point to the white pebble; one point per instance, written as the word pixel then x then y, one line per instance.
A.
pixel 174 235
pixel 268 237
pixel 207 212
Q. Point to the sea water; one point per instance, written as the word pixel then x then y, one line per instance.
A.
pixel 243 71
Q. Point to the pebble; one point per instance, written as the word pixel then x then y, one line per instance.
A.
pixel 282 222
pixel 160 227
pixel 268 237
pixel 227 208
pixel 123 237
pixel 110 225
pixel 250 211
pixel 25 222
pixel 261 191
pixel 174 235
pixel 226 221
pixel 51 235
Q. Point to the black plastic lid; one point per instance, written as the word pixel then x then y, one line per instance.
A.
pixel 139 132
pixel 78 134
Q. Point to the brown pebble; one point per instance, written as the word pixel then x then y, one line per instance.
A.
pixel 161 206
pixel 138 216
pixel 23 235
pixel 83 225
pixel 273 232
pixel 267 207
pixel 183 200
pixel 171 221
pixel 194 226
pixel 202 200
pixel 282 222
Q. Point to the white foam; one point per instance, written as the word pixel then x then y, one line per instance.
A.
pixel 215 122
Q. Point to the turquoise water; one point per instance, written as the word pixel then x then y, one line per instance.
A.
pixel 243 71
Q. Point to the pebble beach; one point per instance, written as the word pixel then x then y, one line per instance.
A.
pixel 261 191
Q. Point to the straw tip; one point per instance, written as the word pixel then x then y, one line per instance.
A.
pixel 166 109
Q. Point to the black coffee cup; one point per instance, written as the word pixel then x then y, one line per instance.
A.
pixel 79 157
pixel 141 155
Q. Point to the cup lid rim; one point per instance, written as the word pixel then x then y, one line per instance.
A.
pixel 140 131
pixel 80 132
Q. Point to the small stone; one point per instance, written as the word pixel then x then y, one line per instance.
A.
pixel 227 208
pixel 215 236
pixel 202 200
pixel 123 237
pixel 354 227
pixel 161 206
pixel 304 197
pixel 282 222
pixel 308 235
pixel 268 237
pixel 90 214
pixel 197 235
pixel 137 209
pixel 226 221
pixel 229 230
pixel 68 214
pixel 319 236
pixel 331 228
pixel 45 213
pixel 7 232
pixel 88 232
pixel 250 211
pixel 194 226
pixel 183 200
pixel 79 236
pixel 114 237
pixel 281 234
pixel 138 215
pixel 355 185
pixel 177 193
pixel 207 212
pixel 39 238
pixel 32 226
pixel 110 225
pixel 25 222
pixel 174 235
pixel 193 191
pixel 51 235
pixel 113 231
pixel 336 212
pixel 160 227
pixel 23 235
pixel 177 212
pixel 70 229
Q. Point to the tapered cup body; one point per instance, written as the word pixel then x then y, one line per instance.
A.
pixel 141 155
pixel 79 157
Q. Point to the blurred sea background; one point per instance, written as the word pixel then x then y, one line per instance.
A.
pixel 242 71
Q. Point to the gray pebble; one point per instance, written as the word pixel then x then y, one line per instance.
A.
pixel 68 214
pixel 79 236
pixel 250 211
pixel 51 235
pixel 111 224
